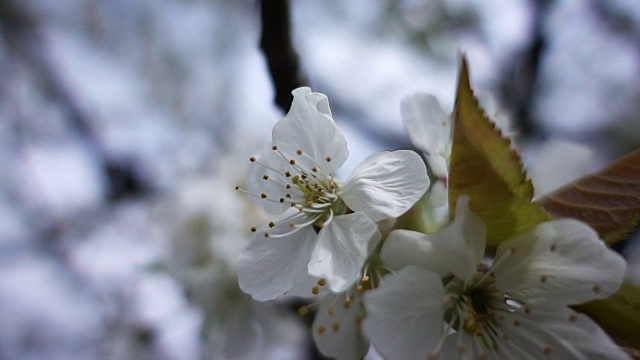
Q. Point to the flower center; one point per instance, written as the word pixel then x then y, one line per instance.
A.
pixel 301 183
pixel 472 307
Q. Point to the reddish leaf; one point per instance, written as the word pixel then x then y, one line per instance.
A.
pixel 608 200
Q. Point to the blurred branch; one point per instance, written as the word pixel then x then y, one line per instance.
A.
pixel 282 59
pixel 520 79
pixel 21 31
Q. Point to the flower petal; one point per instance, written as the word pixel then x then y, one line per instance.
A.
pixel 341 249
pixel 465 346
pixel 405 314
pixel 336 328
pixel 558 333
pixel 269 266
pixel 426 123
pixel 562 262
pixel 309 127
pixel 386 184
pixel 457 248
pixel 310 287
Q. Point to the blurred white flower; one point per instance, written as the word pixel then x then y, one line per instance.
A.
pixel 206 233
pixel 325 226
pixel 336 326
pixel 430 129
pixel 447 305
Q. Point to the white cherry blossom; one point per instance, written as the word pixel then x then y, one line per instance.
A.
pixel 447 304
pixel 323 226
pixel 336 328
pixel 338 316
pixel 430 129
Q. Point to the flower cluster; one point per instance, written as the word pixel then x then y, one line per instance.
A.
pixel 409 294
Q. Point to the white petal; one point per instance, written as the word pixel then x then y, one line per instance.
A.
pixel 465 346
pixel 457 248
pixel 439 194
pixel 309 127
pixel 274 187
pixel 308 286
pixel 269 267
pixel 562 262
pixel 438 164
pixel 341 249
pixel 405 247
pixel 405 314
pixel 426 123
pixel 336 327
pixel 558 333
pixel 386 184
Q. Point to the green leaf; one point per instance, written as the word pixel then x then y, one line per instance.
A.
pixel 608 200
pixel 618 315
pixel 485 167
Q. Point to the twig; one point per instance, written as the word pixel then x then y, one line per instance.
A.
pixel 282 59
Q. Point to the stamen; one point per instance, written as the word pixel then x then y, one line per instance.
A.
pixel 495 264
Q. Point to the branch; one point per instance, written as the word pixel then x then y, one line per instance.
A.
pixel 24 41
pixel 282 59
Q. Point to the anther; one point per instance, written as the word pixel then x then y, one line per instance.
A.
pixel 544 278
pixel 335 326
pixel 527 310
pixel 328 159
pixel 267 234
pixel 265 177
pixel 303 310
pixel 299 152
pixel 281 200
pixel 321 329
pixel 596 288
pixel 331 311
pixel 292 162
pixel 263 195
pixel 274 147
pixel 573 317
pixel 287 174
pixel 548 350
pixel 322 282
pixel 314 169
pixel 271 224
pixel 365 278
pixel 347 303
pixel 516 323
pixel 315 290
pixel 252 159
pixel 254 229
pixel 237 187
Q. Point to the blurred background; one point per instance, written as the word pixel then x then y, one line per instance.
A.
pixel 125 124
